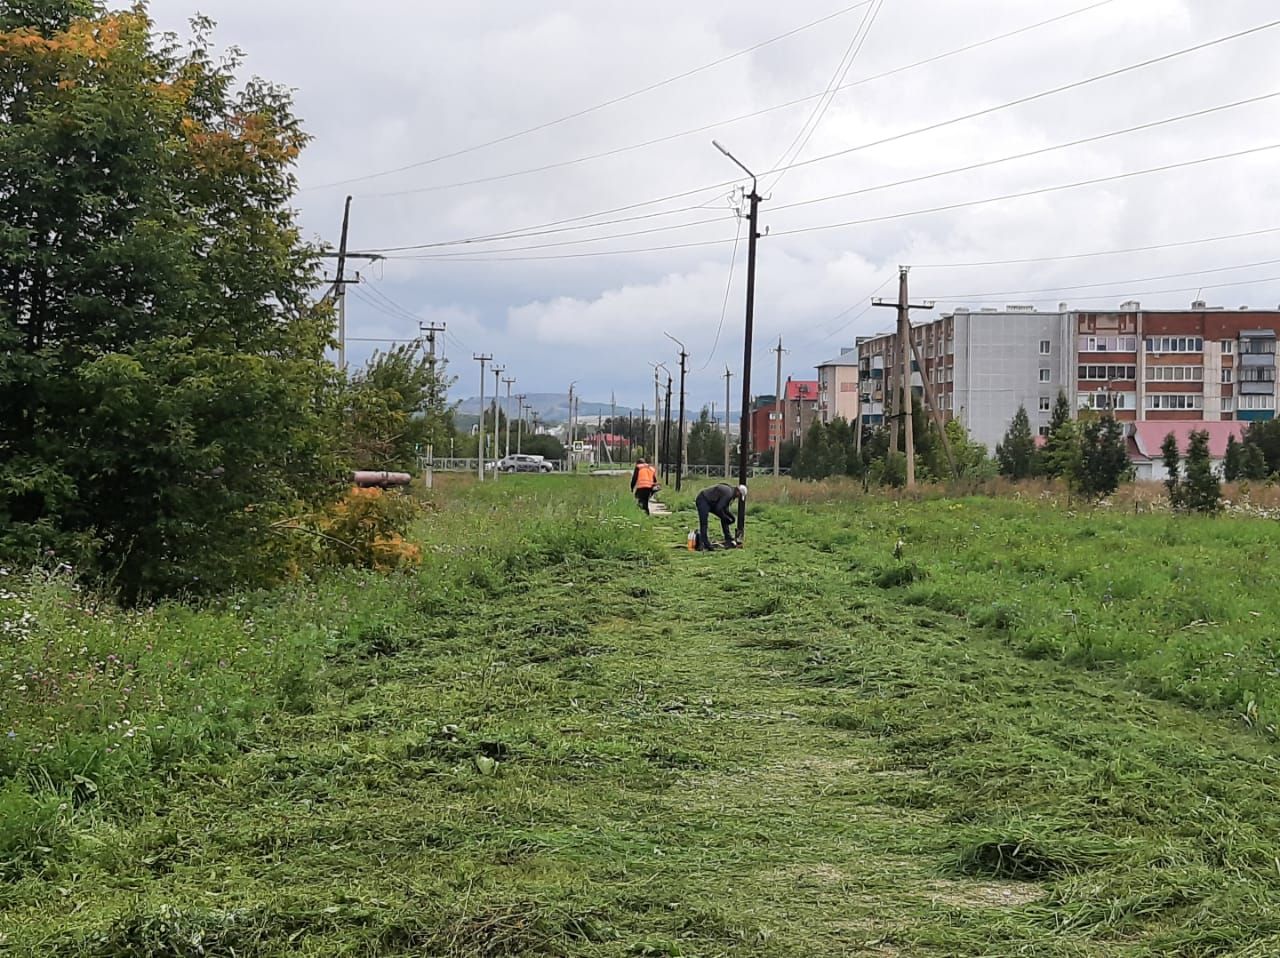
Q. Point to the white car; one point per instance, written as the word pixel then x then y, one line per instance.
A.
pixel 523 463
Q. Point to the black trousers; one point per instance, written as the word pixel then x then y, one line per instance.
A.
pixel 642 497
pixel 704 513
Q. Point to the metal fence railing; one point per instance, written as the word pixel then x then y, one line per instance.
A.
pixel 690 471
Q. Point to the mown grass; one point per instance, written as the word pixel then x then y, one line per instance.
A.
pixel 567 736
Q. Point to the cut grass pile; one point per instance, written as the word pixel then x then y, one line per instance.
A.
pixel 564 737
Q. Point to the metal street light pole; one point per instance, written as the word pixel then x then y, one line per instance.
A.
pixel 753 234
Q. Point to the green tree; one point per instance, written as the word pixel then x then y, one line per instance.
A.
pixel 1061 453
pixel 549 447
pixel 813 461
pixel 1203 491
pixel 164 402
pixel 971 457
pixel 1255 463
pixel 706 441
pixel 1173 469
pixel 1103 459
pixel 395 408
pixel 1264 436
pixel 1233 464
pixel 1017 452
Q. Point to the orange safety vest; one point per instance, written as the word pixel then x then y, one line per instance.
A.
pixel 646 477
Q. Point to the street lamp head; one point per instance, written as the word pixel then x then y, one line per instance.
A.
pixel 720 147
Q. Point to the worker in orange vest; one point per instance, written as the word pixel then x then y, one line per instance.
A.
pixel 644 483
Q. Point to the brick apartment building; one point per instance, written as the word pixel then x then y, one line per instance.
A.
pixel 778 422
pixel 1164 365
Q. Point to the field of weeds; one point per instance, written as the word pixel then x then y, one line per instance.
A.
pixel 1033 732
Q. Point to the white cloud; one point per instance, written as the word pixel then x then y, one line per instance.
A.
pixel 392 82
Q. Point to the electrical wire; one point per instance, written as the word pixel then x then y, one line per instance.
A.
pixel 941 173
pixel 1001 294
pixel 447 258
pixel 1153 124
pixel 599 106
pixel 724 307
pixel 895 138
pixel 1156 292
pixel 797 145
pixel 1106 252
pixel 968 204
pixel 744 116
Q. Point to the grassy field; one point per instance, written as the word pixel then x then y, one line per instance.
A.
pixel 1035 733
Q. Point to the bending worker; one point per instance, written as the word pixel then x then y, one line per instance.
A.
pixel 717 500
pixel 644 482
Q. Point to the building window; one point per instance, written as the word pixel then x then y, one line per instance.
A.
pixel 1044 375
pixel 1257 347
pixel 1258 374
pixel 1175 374
pixel 1176 401
pixel 1257 402
pixel 1105 400
pixel 1226 376
pixel 1180 344
pixel 1045 347
pixel 1107 373
pixel 1228 347
pixel 1228 404
pixel 1044 431
pixel 1045 404
pixel 1108 344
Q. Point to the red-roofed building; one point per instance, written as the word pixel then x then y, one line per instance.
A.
pixel 1147 437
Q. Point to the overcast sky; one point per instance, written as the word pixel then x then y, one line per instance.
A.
pixel 389 84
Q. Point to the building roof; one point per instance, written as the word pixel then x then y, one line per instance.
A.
pixel 845 360
pixel 1149 436
pixel 799 389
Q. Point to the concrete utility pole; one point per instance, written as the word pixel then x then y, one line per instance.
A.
pixel 509 383
pixel 497 377
pixel 481 358
pixel 428 331
pixel 904 307
pixel 568 446
pixel 666 431
pixel 656 452
pixel 727 376
pixel 680 438
pixel 753 234
pixel 779 404
pixel 519 420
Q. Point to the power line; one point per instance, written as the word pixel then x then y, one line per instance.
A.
pixel 1037 192
pixel 500 237
pixel 1156 292
pixel 1115 282
pixel 599 106
pixel 1037 152
pixel 842 70
pixel 936 209
pixel 744 116
pixel 724 307
pixel 1106 252
pixel 896 137
pixel 447 258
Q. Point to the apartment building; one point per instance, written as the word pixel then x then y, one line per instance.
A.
pixel 1202 364
pixel 838 387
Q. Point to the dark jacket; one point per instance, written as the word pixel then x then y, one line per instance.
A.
pixel 719 498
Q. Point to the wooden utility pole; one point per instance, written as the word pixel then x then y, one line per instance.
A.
pixel 481 358
pixel 904 307
pixel 780 405
pixel 932 400
pixel 727 376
